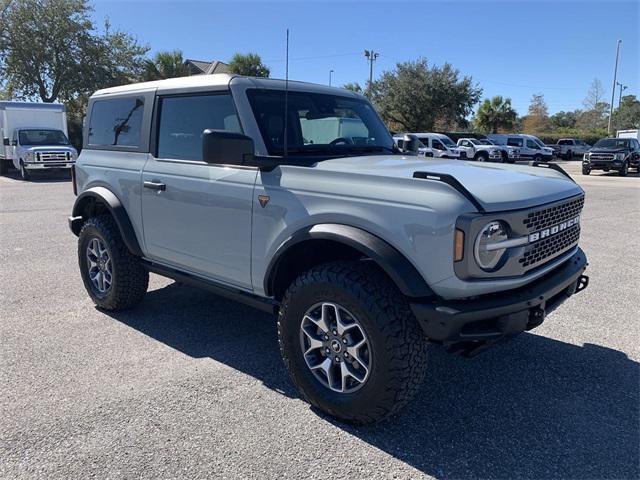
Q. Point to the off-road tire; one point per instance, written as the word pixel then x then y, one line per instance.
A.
pixel 130 278
pixel 398 345
pixel 586 171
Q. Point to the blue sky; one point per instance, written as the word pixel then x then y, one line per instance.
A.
pixel 511 48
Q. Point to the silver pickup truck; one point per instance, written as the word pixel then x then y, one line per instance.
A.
pixel 294 199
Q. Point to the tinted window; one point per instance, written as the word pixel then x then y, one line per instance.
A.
pixel 183 119
pixel 116 122
pixel 514 142
pixel 565 142
pixel 532 144
pixel 612 143
pixel 42 137
pixel 437 145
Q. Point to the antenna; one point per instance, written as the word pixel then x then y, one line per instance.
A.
pixel 286 95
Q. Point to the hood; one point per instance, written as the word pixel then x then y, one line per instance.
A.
pixel 52 148
pixel 497 187
pixel 608 150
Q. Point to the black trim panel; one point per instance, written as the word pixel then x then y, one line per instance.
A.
pixel 265 304
pixel 552 166
pixel 401 271
pixel 107 198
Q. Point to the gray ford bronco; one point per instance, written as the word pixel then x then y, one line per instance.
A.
pixel 293 198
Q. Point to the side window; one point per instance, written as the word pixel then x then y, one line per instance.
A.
pixel 437 145
pixel 116 122
pixel 465 143
pixel 184 118
pixel 514 142
pixel 532 144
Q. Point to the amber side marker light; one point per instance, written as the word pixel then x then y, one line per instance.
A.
pixel 458 246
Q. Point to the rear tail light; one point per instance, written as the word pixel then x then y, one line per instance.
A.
pixel 73 180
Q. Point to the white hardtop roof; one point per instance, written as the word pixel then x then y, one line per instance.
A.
pixel 31 105
pixel 221 80
pixel 429 134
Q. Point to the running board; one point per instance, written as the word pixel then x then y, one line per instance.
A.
pixel 265 304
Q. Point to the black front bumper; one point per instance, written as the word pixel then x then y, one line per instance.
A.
pixel 491 317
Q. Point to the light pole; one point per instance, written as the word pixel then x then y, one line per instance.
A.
pixel 330 72
pixel 613 89
pixel 622 89
pixel 372 57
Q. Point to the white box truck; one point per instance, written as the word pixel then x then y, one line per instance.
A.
pixel 34 137
pixel 634 133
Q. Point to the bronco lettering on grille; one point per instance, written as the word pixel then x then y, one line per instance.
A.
pixel 548 232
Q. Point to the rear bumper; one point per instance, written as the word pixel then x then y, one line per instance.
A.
pixel 490 317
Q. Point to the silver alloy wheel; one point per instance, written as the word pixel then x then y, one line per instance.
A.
pixel 99 265
pixel 335 347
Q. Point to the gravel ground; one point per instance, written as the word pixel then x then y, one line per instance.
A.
pixel 189 385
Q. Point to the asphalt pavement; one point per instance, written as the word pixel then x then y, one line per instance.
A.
pixel 188 385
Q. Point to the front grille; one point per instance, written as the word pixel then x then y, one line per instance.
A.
pixel 601 156
pixel 550 247
pixel 548 217
pixel 53 156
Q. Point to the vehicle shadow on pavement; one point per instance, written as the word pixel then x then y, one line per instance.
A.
pixel 533 407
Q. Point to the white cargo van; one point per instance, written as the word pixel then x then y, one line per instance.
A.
pixel 34 137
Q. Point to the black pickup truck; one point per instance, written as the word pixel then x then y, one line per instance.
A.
pixel 608 154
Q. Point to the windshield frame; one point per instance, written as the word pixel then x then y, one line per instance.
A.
pixel 21 138
pixel 367 116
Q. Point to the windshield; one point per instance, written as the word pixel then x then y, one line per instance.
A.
pixel 318 124
pixel 474 141
pixel 36 138
pixel 612 143
pixel 538 141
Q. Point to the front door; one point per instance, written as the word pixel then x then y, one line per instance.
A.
pixel 197 216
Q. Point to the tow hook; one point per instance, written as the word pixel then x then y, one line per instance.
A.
pixel 583 282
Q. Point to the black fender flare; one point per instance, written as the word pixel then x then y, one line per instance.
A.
pixel 395 264
pixel 107 198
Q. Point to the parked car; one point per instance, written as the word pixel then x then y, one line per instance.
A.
pixel 363 253
pixel 34 137
pixel 509 154
pixel 617 154
pixel 476 150
pixel 530 147
pixel 570 147
pixel 435 145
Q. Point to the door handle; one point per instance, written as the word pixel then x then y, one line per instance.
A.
pixel 155 185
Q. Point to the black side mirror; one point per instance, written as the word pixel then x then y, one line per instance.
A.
pixel 227 148
pixel 410 144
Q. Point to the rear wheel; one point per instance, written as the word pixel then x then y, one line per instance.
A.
pixel 350 342
pixel 114 278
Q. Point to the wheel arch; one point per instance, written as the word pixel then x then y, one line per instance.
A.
pixel 99 200
pixel 321 243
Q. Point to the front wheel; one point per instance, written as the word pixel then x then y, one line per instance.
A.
pixel 586 170
pixel 537 158
pixel 350 342
pixel 24 173
pixel 482 157
pixel 114 278
pixel 624 170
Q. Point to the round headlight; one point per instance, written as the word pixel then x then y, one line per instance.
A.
pixel 486 250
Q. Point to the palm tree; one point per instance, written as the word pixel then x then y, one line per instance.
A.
pixel 495 113
pixel 165 65
pixel 249 64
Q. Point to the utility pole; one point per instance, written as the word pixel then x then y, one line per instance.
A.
pixel 372 57
pixel 330 72
pixel 613 89
pixel 622 88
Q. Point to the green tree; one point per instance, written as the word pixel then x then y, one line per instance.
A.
pixel 495 114
pixel 354 87
pixel 563 120
pixel 415 96
pixel 165 65
pixel 51 50
pixel 249 64
pixel 628 115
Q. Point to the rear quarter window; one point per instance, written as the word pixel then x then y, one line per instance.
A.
pixel 116 122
